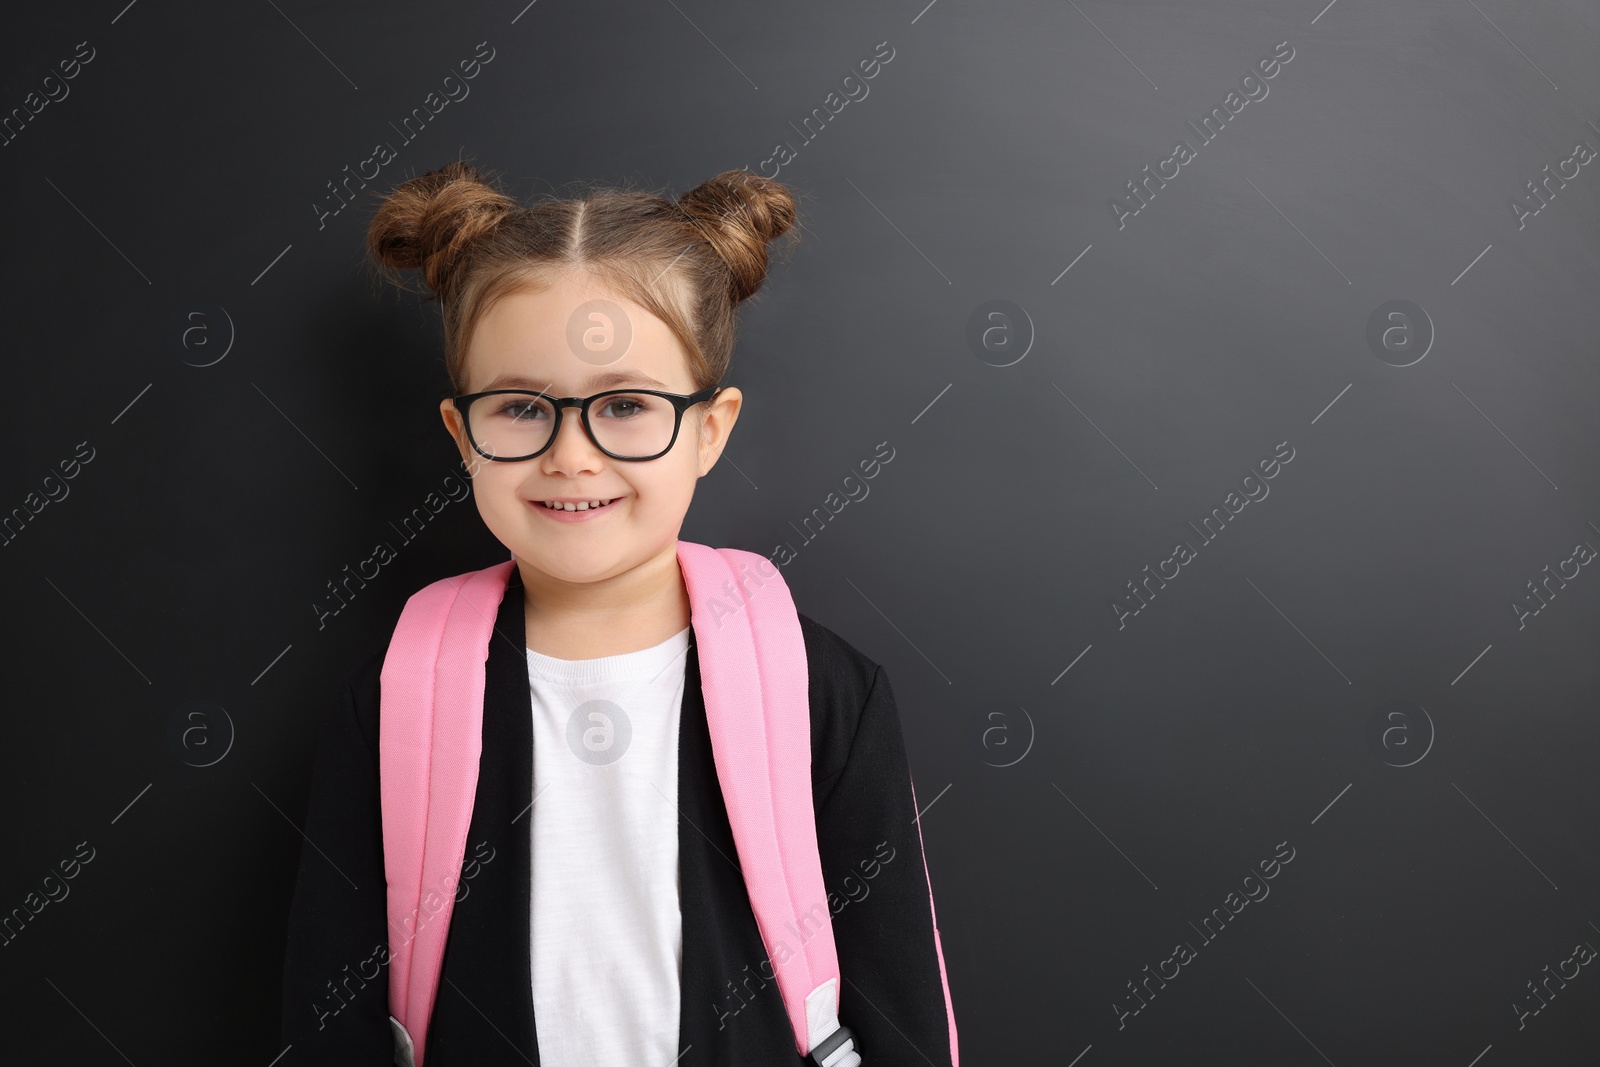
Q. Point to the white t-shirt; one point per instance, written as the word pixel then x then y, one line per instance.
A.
pixel 606 926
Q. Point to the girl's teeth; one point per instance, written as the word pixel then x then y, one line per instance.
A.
pixel 577 507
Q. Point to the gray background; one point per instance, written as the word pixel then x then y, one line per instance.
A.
pixel 1342 671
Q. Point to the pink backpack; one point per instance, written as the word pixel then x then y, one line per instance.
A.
pixel 756 685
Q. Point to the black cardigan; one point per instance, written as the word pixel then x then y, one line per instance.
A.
pixel 335 978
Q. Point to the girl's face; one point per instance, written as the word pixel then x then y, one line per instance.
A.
pixel 560 341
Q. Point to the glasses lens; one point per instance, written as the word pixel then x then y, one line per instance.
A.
pixel 631 425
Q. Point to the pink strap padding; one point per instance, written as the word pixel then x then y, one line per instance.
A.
pixel 760 727
pixel 949 1011
pixel 427 811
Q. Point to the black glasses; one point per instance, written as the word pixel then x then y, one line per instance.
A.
pixel 509 425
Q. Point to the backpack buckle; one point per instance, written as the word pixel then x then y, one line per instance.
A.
pixel 836 1050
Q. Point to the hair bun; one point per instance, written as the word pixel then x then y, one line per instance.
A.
pixel 431 222
pixel 740 213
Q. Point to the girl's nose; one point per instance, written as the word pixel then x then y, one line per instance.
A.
pixel 573 445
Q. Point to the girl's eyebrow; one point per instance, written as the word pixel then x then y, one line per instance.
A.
pixel 631 377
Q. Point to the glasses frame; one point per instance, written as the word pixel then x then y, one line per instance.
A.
pixel 679 402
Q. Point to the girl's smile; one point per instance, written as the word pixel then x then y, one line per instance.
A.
pixel 575 509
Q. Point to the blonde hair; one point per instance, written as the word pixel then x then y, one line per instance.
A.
pixel 688 261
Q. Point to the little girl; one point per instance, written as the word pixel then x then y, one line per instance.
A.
pixel 601 916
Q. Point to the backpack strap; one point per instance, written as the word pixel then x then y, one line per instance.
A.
pixel 757 696
pixel 430 735
pixel 756 684
pixel 944 981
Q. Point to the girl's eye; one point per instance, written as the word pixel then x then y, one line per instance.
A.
pixel 624 407
pixel 520 410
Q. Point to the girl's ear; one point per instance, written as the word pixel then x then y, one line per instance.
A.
pixel 717 425
pixel 458 431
